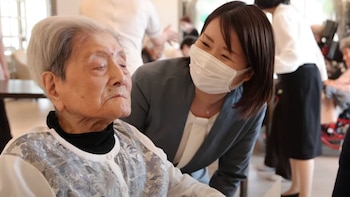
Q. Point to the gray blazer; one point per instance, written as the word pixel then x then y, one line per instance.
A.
pixel 161 96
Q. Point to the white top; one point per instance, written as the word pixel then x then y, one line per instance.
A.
pixel 195 131
pixel 295 42
pixel 42 163
pixel 132 19
pixel 2 75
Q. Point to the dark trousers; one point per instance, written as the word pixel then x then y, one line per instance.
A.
pixel 274 156
pixel 341 186
pixel 5 133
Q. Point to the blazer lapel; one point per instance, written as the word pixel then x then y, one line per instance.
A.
pixel 220 136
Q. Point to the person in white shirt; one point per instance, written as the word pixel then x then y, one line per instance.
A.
pixel 133 20
pixel 85 150
pixel 301 68
pixel 4 72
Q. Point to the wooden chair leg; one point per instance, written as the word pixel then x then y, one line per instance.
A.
pixel 244 188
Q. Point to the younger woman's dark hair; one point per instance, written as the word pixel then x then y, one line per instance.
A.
pixel 266 4
pixel 255 34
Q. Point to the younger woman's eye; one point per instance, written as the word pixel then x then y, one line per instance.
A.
pixel 225 56
pixel 205 44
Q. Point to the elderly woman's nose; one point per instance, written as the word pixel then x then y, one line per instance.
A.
pixel 118 71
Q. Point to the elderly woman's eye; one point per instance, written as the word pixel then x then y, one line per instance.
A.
pixel 122 64
pixel 121 61
pixel 100 66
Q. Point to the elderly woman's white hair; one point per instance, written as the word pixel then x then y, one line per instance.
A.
pixel 52 42
pixel 344 43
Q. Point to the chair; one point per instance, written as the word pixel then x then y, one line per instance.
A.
pixel 20 59
pixel 244 188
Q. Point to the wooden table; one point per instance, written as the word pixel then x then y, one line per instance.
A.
pixel 16 88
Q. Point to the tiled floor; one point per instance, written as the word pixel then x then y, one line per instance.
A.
pixel 324 176
pixel 24 114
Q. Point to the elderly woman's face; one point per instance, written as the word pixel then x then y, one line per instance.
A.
pixel 346 56
pixel 97 83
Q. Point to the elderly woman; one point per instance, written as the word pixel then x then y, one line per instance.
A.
pixel 342 83
pixel 85 150
pixel 336 98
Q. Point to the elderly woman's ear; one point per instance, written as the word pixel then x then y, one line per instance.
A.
pixel 50 82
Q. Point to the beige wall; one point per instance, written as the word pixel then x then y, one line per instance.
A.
pixel 168 10
pixel 67 7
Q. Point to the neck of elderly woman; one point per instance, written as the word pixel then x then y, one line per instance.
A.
pixel 74 124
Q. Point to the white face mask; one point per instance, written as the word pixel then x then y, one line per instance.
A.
pixel 209 74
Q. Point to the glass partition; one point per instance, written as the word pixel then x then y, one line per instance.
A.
pixel 17 17
pixel 315 11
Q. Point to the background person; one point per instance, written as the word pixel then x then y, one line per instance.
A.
pixel 5 132
pixel 336 97
pixel 85 150
pixel 210 106
pixel 275 160
pixel 341 185
pixel 133 20
pixel 187 27
pixel 151 52
pixel 300 66
pixel 340 87
pixel 186 44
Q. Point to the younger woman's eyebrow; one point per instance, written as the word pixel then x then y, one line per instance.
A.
pixel 212 40
pixel 225 48
pixel 208 37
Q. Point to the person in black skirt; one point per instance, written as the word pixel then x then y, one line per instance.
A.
pixel 301 68
pixel 5 132
pixel 275 159
pixel 341 186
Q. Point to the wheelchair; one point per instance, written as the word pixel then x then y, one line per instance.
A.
pixel 332 135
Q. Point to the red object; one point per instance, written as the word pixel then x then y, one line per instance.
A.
pixel 333 134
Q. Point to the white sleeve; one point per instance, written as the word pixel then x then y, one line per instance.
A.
pixel 153 23
pixel 286 34
pixel 184 185
pixel 19 178
pixel 179 184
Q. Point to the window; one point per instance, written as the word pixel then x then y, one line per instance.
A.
pixel 203 8
pixel 315 11
pixel 17 17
